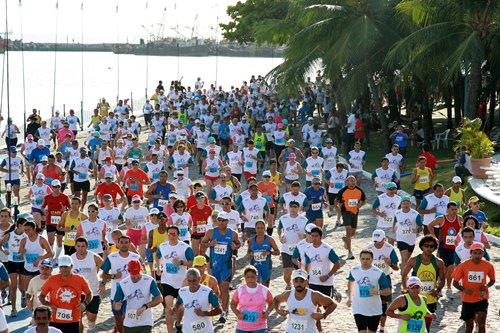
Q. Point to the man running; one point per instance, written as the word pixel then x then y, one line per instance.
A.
pixel 41 318
pixel 385 207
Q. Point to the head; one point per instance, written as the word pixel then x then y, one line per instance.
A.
pixel 428 244
pixel 316 236
pixel 351 181
pixel 254 191
pixel 5 215
pixel 468 236
pixel 438 190
pixel 250 275
pixel 173 233
pixel 414 286
pixel 295 187
pixel 65 264
pixel 41 316
pixel 92 211
pixel 260 228
pixel 81 245
pixel 193 278
pixel 366 258
pixel 179 206
pixel 384 162
pixel 123 243
pixel 30 228
pixel 422 161
pixel 476 251
pixel 134 268
pixel 300 280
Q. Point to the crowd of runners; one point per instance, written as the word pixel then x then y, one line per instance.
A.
pixel 265 176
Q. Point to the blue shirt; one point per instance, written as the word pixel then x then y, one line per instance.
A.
pixel 38 153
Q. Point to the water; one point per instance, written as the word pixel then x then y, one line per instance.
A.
pixel 100 78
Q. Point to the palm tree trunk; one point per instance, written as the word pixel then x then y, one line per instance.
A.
pixel 493 103
pixel 378 108
pixel 458 100
pixel 474 87
pixel 449 113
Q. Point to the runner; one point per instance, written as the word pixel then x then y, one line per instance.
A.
pixel 385 207
pixel 251 303
pixel 80 168
pixel 350 199
pixel 13 167
pixel 366 285
pixel 114 268
pixel 93 229
pixel 87 264
pixel 182 220
pixel 432 206
pixel 269 191
pixel 456 194
pixel 196 304
pixel 41 318
pixel 462 251
pixel 63 292
pixel 299 255
pixel 221 241
pixel 430 270
pixel 199 214
pixel 292 171
pixel 470 279
pixel 158 193
pixel 135 217
pixel 356 159
pixel 36 193
pixel 382 176
pixel 69 224
pixel 302 304
pixel 335 180
pixel 252 209
pixel 139 294
pixel 200 263
pixel 260 249
pixel 173 258
pixel 316 197
pixel 135 179
pixel 422 178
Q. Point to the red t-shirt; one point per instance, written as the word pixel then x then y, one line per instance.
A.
pixel 473 276
pixel 431 160
pixel 200 217
pixel 191 201
pixel 134 179
pixel 113 189
pixel 56 206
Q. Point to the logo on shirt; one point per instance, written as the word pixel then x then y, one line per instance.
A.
pixel 365 281
pixel 65 294
pixel 192 305
pixel 137 294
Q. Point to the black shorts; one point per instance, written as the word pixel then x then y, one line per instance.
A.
pixel 168 290
pixel 28 273
pixel 237 176
pixel 13 182
pixel 469 310
pixel 366 322
pixel 269 145
pixel 350 219
pixel 405 246
pixel 331 198
pixel 432 307
pixel 272 210
pixel 93 306
pixel 224 143
pixel 122 310
pixel 69 250
pixel 197 237
pixel 67 327
pixel 286 259
pixel 325 290
pixel 82 186
pixel 53 228
pixel 446 255
pixel 420 194
pixel 14 267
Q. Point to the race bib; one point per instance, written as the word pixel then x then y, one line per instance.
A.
pixel 291 248
pixel 156 175
pixel 201 228
pixel 171 268
pixel 183 232
pixel 316 271
pixel 380 264
pixel 259 146
pixel 248 164
pixel 254 217
pixel 339 185
pixel 450 240
pixel 180 165
pixel 475 277
pixel 162 202
pixel 55 219
pixel 364 291
pixel 280 141
pixel 316 206
pixel 314 172
pixel 82 176
pixel 132 315
pixel 406 231
pixel 296 325
pixel 16 257
pixel 268 198
pixel 71 235
pixel 427 286
pixel 31 257
pixel 38 200
pixel 220 249
pixel 414 325
pixel 259 256
pixel 352 202
pixel 424 179
pixel 64 314
pixel 212 169
pixel 199 326
pixel 93 244
pixel 250 316
pixel 134 187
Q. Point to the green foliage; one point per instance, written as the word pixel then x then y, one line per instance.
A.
pixel 471 135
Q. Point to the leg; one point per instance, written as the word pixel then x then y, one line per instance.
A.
pixel 59 244
pixel 51 238
pixel 469 326
pixel 319 222
pixel 84 198
pixel 224 295
pixel 169 313
pixel 481 321
pixel 449 271
pixel 38 219
pixel 405 255
pixel 13 289
pixel 287 276
pixel 195 243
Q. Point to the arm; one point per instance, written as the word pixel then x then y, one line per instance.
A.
pixel 326 302
pixel 437 222
pixel 399 302
pixel 406 270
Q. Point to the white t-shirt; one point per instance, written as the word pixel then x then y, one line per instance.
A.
pixel 51 330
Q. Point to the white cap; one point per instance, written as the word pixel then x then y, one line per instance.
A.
pixel 378 235
pixel 41 142
pixel 154 211
pixel 413 280
pixel 300 273
pixel 108 175
pixel 55 182
pixel 40 176
pixel 65 260
pixel 266 173
pixel 309 227
pixel 44 159
pixel 223 216
pixel 456 179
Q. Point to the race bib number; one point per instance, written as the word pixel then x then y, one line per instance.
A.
pixel 475 277
pixel 71 235
pixel 162 202
pixel 254 217
pixel 180 165
pixel 93 244
pixel 280 141
pixel 364 291
pixel 64 314
pixel 250 316
pixel 423 179
pixel 316 206
pixel 259 256
pixel 156 175
pixel 38 200
pixel 352 202
pixel 199 326
pixel 201 228
pixel 259 146
pixel 134 187
pixel 249 164
pixel 16 257
pixel 132 315
pixel 406 231
pixel 55 219
pixel 171 268
pixel 414 325
pixel 427 286
pixel 291 248
pixel 82 176
pixel 212 169
pixel 296 325
pixel 314 172
pixel 316 271
pixel 31 257
pixel 380 264
pixel 339 185
pixel 220 249
pixel 450 240
pixel 183 232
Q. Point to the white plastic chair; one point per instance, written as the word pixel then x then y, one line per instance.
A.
pixel 441 137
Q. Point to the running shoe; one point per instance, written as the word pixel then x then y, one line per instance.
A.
pixel 13 313
pixel 223 318
pixel 336 295
pixel 350 256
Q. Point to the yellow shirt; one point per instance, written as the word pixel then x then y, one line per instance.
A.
pixel 276 178
pixel 104 109
pixel 457 197
pixel 95 119
pixel 424 179
pixel 73 223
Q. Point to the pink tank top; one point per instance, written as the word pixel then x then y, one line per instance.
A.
pixel 252 305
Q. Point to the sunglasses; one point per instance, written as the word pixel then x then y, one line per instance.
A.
pixel 92 211
pixel 266 177
pixel 56 186
pixel 136 201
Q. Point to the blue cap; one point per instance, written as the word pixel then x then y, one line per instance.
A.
pixel 391 185
pixel 405 198
pixel 13 149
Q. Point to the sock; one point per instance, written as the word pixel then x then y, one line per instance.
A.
pixel 58 250
pixel 270 231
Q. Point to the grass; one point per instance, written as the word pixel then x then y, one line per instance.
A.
pixel 444 175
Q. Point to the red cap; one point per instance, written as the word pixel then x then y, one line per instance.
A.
pixel 134 267
pixel 280 125
pixel 212 151
pixel 477 246
pixel 108 159
pixel 136 197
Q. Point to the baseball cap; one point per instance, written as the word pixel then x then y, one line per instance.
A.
pixel 223 216
pixel 55 182
pixel 310 119
pixel 456 179
pixel 136 197
pixel 300 273
pixel 108 175
pixel 74 142
pixel 413 280
pixel 135 161
pixel 199 261
pixel 41 142
pixel 391 186
pixel 108 159
pixel 134 267
pixel 154 211
pixel 107 197
pixel 328 140
pixel 477 246
pixel 180 172
pixel 378 235
pixel 316 180
pixel 314 148
pixel 13 149
pixel 252 185
pixel 64 261
pixel 291 141
pixel 96 134
pixel 40 176
pixel 405 198
pixel 266 173
pixel 309 227
pixel 280 125
pixel 473 199
pixel 211 139
pixel 47 263
pixel 44 159
pixel 292 156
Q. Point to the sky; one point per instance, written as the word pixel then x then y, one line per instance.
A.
pixel 38 20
